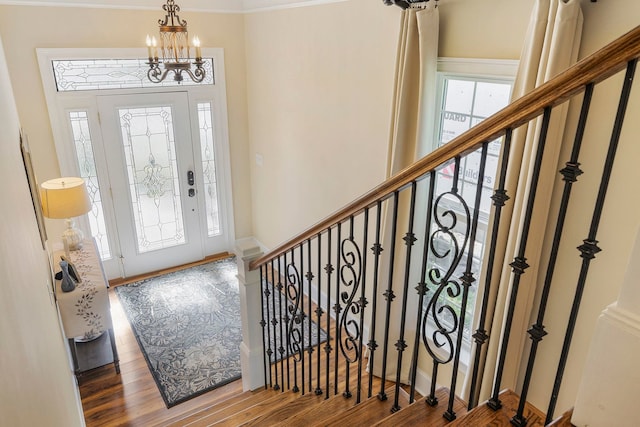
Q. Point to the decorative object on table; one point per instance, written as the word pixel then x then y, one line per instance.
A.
pixel 33 187
pixel 85 311
pixel 187 324
pixel 175 49
pixel 67 283
pixel 66 198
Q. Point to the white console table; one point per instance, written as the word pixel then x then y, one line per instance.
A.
pixel 85 311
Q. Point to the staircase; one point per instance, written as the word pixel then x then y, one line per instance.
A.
pixel 388 278
pixel 289 409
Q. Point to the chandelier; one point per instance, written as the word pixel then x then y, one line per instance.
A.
pixel 174 48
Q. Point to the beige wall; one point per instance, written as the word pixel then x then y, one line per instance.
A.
pixel 320 84
pixel 37 385
pixel 26 28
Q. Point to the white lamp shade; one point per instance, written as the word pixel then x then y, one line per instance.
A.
pixel 64 198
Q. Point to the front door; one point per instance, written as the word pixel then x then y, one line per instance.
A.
pixel 156 183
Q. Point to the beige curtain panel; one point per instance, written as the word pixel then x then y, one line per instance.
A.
pixel 551 46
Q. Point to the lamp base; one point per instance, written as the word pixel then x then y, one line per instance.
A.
pixel 73 236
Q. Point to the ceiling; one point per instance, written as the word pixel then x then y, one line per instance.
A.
pixel 223 6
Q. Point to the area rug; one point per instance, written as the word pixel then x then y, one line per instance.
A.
pixel 187 324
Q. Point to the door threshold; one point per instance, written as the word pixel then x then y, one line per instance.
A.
pixel 126 280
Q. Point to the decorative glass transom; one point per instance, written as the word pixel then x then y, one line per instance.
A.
pixel 98 74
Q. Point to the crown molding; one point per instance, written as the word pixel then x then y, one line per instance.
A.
pixel 211 6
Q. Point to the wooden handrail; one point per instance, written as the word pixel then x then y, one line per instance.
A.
pixel 593 69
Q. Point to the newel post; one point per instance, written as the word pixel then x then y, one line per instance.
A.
pixel 608 393
pixel 251 347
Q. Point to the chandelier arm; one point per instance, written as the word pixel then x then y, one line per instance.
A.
pixel 198 76
pixel 155 75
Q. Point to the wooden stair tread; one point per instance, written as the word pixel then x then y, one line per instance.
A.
pixel 365 413
pixel 419 413
pixel 485 416
pixel 325 406
pixel 288 411
pixel 218 408
pixel 563 420
pixel 244 411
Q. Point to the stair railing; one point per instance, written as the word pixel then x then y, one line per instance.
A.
pixel 345 286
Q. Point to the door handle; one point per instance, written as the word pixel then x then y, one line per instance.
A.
pixel 192 192
pixel 190 178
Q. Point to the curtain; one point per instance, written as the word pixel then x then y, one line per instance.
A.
pixel 414 100
pixel 551 45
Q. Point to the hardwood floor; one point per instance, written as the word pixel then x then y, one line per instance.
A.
pixel 132 398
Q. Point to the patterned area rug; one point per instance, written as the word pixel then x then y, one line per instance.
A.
pixel 187 324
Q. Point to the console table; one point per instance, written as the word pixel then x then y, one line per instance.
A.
pixel 85 311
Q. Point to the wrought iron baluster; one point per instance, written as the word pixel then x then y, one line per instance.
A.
pixel 422 287
pixel 372 345
pixel 300 312
pixel 337 309
pixel 286 321
pixel 480 336
pixel 319 313
pixel 281 349
pixel 389 296
pixel 264 286
pixel 519 264
pixel 401 345
pixel 589 248
pixel 350 330
pixel 467 281
pixel 537 331
pixel 294 314
pixel 445 321
pixel 362 302
pixel 327 348
pixel 309 276
pixel 274 323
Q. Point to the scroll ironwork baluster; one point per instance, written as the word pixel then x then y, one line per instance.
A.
pixel 537 331
pixel 294 337
pixel 467 281
pixel 401 345
pixel 589 248
pixel 372 345
pixel 519 264
pixel 439 310
pixel 389 296
pixel 286 321
pixel 421 288
pixel 499 199
pixel 350 330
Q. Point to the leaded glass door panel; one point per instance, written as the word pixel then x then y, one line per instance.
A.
pixel 150 156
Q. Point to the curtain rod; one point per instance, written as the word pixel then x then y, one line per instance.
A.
pixel 405 4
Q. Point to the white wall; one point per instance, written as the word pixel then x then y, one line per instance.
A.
pixel 36 382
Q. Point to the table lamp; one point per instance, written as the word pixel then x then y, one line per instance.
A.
pixel 66 198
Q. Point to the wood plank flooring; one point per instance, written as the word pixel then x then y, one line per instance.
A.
pixel 132 398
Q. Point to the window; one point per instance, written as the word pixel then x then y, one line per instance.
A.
pixel 464 99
